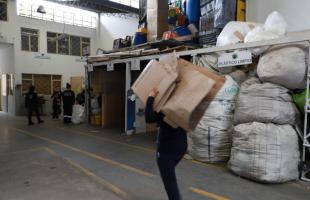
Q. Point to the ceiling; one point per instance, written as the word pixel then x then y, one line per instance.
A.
pixel 99 6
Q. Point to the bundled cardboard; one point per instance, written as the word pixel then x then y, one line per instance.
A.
pixel 190 90
pixel 161 75
pixel 184 89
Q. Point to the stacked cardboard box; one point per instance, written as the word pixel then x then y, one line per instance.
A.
pixel 182 87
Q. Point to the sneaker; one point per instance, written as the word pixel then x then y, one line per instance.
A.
pixel 41 121
pixel 30 123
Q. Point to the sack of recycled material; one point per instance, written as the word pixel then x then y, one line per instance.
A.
pixel 274 27
pixel 265 152
pixel 300 100
pixel 77 114
pixel 211 140
pixel 235 32
pixel 284 65
pixel 266 103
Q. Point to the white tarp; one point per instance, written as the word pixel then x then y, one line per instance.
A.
pixel 211 140
pixel 284 65
pixel 266 103
pixel 265 152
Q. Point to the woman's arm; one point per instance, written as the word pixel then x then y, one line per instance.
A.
pixel 150 115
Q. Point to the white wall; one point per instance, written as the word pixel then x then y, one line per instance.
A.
pixel 7 67
pixel 25 62
pixel 295 12
pixel 6 58
pixel 116 26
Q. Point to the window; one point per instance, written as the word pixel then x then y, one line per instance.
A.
pixel 65 44
pixel 3 10
pixel 57 13
pixel 45 83
pixel 29 39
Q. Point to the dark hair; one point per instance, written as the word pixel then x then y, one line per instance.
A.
pixel 32 88
pixel 68 86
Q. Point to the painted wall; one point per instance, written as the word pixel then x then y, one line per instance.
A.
pixel 6 58
pixel 116 26
pixel 25 62
pixel 7 67
pixel 295 12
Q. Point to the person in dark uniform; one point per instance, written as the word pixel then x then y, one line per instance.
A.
pixel 68 98
pixel 80 98
pixel 32 103
pixel 56 103
pixel 171 147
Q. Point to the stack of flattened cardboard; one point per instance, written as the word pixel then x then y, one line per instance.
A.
pixel 183 89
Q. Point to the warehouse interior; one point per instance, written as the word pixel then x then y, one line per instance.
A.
pixel 232 75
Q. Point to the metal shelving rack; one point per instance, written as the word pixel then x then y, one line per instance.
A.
pixel 305 165
pixel 133 63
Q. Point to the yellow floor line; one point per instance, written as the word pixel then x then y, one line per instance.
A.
pixel 22 151
pixel 109 140
pixel 107 160
pixel 102 181
pixel 207 194
pixel 141 148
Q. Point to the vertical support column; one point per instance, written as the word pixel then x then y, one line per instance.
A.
pixel 306 134
pixel 127 88
pixel 87 93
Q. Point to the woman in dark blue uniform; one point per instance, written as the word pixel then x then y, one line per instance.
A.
pixel 171 147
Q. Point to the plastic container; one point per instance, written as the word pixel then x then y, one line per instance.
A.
pixel 193 11
pixel 140 38
pixel 182 31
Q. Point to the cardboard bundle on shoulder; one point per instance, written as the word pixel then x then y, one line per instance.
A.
pixel 196 87
pixel 157 74
pixel 184 89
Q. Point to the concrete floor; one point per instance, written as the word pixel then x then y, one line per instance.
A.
pixel 53 161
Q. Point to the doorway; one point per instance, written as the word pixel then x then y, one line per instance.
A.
pixel 110 86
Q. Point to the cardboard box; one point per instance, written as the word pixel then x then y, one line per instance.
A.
pixel 184 90
pixel 191 89
pixel 160 75
pixel 157 19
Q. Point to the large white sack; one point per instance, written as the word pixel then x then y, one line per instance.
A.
pixel 265 152
pixel 77 114
pixel 285 66
pixel 266 103
pixel 211 140
pixel 259 34
pixel 276 23
pixel 235 32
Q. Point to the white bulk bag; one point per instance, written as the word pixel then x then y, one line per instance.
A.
pixel 77 114
pixel 211 140
pixel 265 152
pixel 266 103
pixel 285 66
pixel 234 32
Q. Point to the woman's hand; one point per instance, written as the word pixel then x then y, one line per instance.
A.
pixel 153 93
